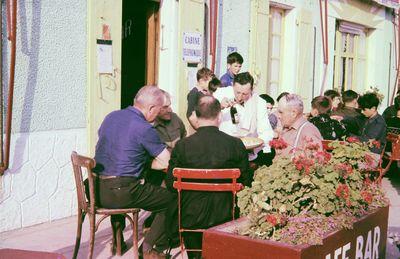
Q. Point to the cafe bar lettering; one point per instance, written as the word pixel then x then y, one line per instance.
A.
pixel 366 246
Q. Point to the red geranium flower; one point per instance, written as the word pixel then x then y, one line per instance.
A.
pixel 271 219
pixel 278 143
pixel 342 191
pixel 367 196
pixel 376 144
pixel 353 140
pixel 344 167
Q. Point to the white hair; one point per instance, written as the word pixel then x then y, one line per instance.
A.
pixel 149 95
pixel 294 101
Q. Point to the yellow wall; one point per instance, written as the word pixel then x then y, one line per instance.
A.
pixel 104 91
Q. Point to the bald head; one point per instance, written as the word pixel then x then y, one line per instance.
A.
pixel 207 108
pixel 149 101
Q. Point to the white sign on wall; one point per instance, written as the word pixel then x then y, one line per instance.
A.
pixel 192 47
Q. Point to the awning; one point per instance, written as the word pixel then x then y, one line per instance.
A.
pixel 394 4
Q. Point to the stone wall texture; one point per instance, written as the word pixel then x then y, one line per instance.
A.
pixel 50 75
pixel 40 186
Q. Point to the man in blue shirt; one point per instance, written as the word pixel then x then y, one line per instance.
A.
pixel 127 143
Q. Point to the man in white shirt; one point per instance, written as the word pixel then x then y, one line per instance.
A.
pixel 251 118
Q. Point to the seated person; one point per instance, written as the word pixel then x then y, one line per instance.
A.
pixel 374 127
pixel 335 97
pixel 203 76
pixel 127 142
pixel 391 111
pixel 297 131
pixel 273 119
pixel 329 128
pixel 244 115
pixel 208 148
pixel 349 114
pixel 170 129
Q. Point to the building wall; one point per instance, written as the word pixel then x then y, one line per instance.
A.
pixel 233 31
pixel 49 115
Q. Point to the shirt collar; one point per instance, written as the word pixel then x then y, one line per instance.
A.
pixel 136 111
pixel 208 128
pixel 231 75
pixel 297 124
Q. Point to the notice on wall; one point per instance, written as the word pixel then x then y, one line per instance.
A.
pixel 104 57
pixel 231 49
pixel 192 47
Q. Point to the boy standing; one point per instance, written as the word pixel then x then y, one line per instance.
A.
pixel 203 76
pixel 234 61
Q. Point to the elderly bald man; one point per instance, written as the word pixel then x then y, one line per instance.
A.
pixel 297 131
pixel 127 143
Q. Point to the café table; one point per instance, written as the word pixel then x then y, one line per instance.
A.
pixel 252 142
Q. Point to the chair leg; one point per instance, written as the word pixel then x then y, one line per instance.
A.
pixel 135 234
pixel 92 218
pixel 81 218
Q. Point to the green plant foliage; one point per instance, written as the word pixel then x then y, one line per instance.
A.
pixel 299 199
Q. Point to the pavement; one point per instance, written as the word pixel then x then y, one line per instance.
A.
pixel 59 236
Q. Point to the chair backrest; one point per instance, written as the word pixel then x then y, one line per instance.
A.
pixel 79 162
pixel 182 174
pixel 395 139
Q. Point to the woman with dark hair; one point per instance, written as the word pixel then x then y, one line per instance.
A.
pixel 374 127
pixel 330 129
pixel 335 97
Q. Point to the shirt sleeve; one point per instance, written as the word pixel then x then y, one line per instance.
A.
pixel 264 129
pixel 152 142
pixel 224 80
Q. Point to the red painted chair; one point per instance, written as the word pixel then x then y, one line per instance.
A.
pixel 392 156
pixel 181 184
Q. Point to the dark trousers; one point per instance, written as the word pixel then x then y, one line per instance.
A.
pixel 128 192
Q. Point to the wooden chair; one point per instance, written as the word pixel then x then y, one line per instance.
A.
pixel 181 184
pixel 392 156
pixel 88 206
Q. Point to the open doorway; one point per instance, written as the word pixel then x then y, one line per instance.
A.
pixel 140 44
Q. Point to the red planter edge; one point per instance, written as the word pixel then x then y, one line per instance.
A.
pixel 368 237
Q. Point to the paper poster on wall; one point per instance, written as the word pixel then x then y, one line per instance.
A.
pixel 104 57
pixel 231 49
pixel 192 47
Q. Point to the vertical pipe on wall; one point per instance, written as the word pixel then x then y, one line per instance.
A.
pixel 12 30
pixel 397 48
pixel 324 34
pixel 213 31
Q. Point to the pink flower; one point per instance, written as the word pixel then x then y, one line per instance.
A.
pixel 367 196
pixel 376 144
pixel 344 167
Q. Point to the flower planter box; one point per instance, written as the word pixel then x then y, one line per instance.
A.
pixel 367 239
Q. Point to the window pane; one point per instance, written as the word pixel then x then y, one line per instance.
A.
pixel 276 21
pixel 273 89
pixel 359 83
pixel 344 42
pixel 361 45
pixel 276 46
pixel 274 74
pixel 349 73
pixel 351 44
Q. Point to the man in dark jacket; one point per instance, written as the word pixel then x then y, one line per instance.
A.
pixel 208 148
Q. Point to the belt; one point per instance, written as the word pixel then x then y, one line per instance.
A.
pixel 105 177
